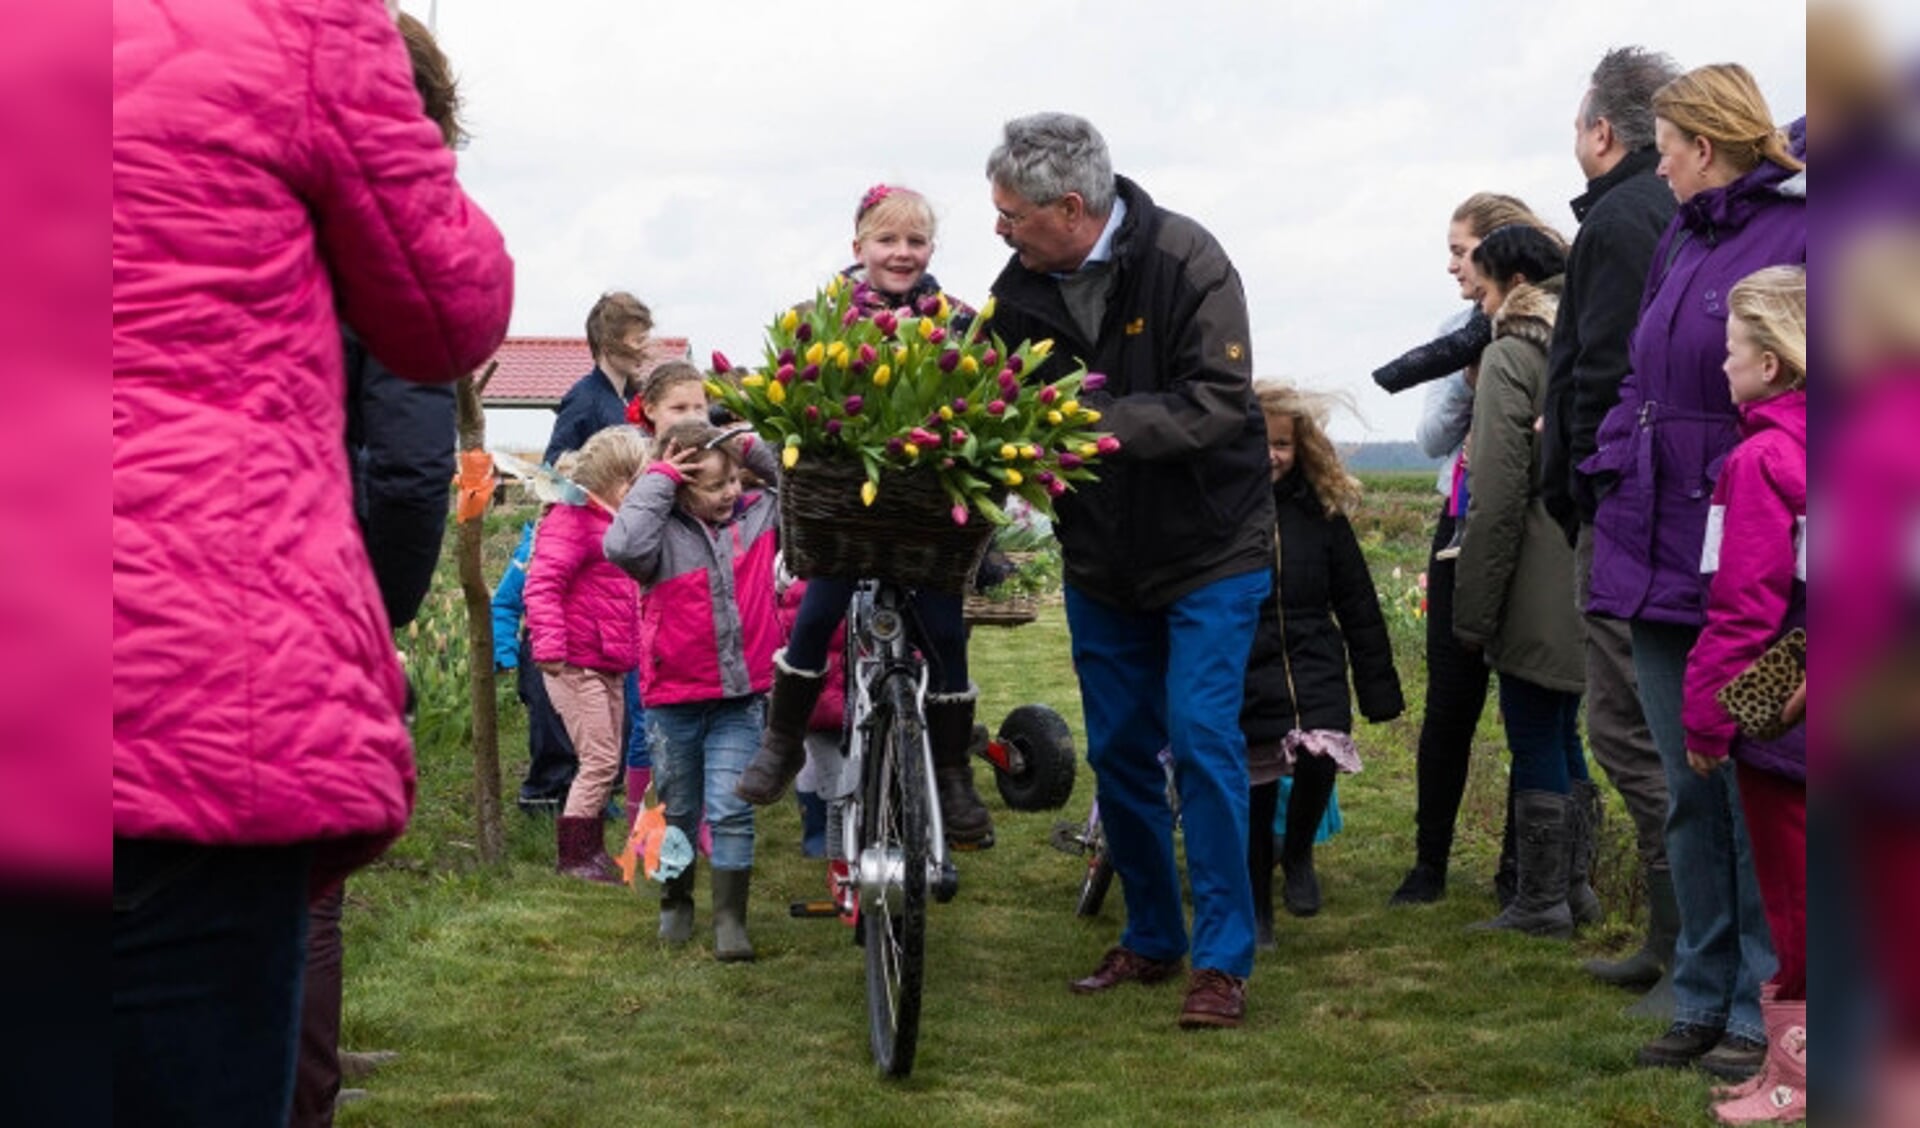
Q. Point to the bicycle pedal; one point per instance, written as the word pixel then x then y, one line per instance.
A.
pixel 811 909
pixel 1067 838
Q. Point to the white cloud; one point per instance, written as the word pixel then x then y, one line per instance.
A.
pixel 708 156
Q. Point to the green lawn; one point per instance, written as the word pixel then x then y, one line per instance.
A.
pixel 516 997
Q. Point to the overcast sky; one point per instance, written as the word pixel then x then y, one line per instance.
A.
pixel 708 156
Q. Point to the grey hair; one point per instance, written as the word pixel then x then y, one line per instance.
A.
pixel 1045 156
pixel 1622 92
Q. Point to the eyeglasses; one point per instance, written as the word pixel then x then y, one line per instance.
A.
pixel 1013 219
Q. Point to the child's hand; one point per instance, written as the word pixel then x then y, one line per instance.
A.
pixel 553 668
pixel 1796 706
pixel 684 459
pixel 1703 766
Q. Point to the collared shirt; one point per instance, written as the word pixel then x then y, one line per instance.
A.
pixel 1102 247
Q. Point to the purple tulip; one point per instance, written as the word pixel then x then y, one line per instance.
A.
pixel 785 375
pixel 937 336
pixel 896 446
pixel 1094 382
pixel 960 406
pixel 957 438
pixel 885 322
pixel 928 306
pixel 859 368
pixel 949 360
pixel 854 404
pixel 1009 384
pixel 1070 461
pixel 1048 395
pixel 810 373
pixel 1015 364
pixel 848 318
pixel 804 333
pixel 1044 477
pixel 989 359
pixel 786 357
pixel 833 426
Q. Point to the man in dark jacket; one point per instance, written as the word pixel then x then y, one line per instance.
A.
pixel 1166 555
pixel 617 329
pixel 1622 214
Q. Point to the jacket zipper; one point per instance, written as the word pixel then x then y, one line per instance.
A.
pixel 1280 616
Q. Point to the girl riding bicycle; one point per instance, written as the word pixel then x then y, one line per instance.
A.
pixel 892 244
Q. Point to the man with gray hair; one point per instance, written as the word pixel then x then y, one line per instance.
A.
pixel 1167 556
pixel 1622 214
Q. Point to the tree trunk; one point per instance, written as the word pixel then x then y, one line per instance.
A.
pixel 491 836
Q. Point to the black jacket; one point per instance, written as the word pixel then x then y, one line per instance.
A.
pixel 590 406
pixel 1322 613
pixel 400 438
pixel 1622 216
pixel 1185 502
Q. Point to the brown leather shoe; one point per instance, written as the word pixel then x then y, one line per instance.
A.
pixel 1214 998
pixel 1120 965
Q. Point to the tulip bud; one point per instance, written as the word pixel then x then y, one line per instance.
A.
pixel 912 450
pixel 868 491
pixel 1056 487
pixel 1013 477
pixel 1015 365
pixel 1041 349
pixel 928 306
pixel 776 393
pixel 859 368
pixel 1036 451
pixel 959 514
pixel 812 413
pixel 816 353
pixel 753 381
pixel 944 310
pixel 785 375
pixel 848 318
pixel 997 408
pixel 1009 452
pixel 789 456
pixel 958 437
pixel 1094 382
pixel 945 413
pixel 881 375
pixel 789 320
pixel 787 357
pixel 1053 418
pixel 1088 450
pixel 937 336
pixel 969 365
pixel 853 404
pixel 1069 460
pixel 804 332
pixel 895 445
pixel 885 322
pixel 810 373
pixel 1048 395
pixel 867 355
pixel 990 358
pixel 986 311
pixel 715 389
pixel 926 328
pixel 1071 407
pixel 960 405
pixel 1108 445
pixel 833 427
pixel 899 354
pixel 720 363
pixel 923 436
pixel 948 360
pixel 1090 417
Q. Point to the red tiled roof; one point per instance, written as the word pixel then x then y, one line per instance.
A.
pixel 537 371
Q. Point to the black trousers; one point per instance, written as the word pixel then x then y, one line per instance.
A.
pixel 1457 684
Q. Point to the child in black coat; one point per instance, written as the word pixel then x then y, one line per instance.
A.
pixel 1322 617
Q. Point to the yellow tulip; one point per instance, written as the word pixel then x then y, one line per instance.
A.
pixel 881 375
pixel 986 311
pixel 913 450
pixel 714 389
pixel 1009 452
pixel 789 456
pixel 1070 407
pixel 946 413
pixel 868 491
pixel 1041 349
pixel 899 354
pixel 789 321
pixel 1013 477
pixel 752 381
pixel 837 352
pixel 833 286
pixel 946 310
pixel 816 352
pixel 1053 418
pixel 776 392
pixel 970 366
pixel 1088 450
pixel 1092 417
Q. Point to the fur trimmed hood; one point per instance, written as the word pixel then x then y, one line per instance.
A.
pixel 1528 312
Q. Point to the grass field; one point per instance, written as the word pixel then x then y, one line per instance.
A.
pixel 516 997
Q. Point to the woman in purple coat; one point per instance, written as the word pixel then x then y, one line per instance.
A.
pixel 1742 207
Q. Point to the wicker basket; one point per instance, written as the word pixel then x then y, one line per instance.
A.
pixel 907 536
pixel 1015 611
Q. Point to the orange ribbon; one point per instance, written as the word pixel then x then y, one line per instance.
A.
pixel 476 482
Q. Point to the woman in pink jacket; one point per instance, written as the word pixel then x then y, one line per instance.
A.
pixel 1755 557
pixel 583 624
pixel 273 176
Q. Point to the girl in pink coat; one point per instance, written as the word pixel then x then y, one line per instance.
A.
pixel 273 176
pixel 583 620
pixel 1755 557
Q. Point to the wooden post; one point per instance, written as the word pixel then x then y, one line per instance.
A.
pixel 472 428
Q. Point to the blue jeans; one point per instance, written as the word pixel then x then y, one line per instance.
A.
pixel 1724 952
pixel 699 750
pixel 637 757
pixel 940 616
pixel 1173 678
pixel 1543 733
pixel 209 949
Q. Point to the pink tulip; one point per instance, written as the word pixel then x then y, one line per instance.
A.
pixel 1048 395
pixel 937 336
pixel 1108 445
pixel 989 359
pixel 923 437
pixel 959 514
pixel 867 355
pixel 785 375
pixel 720 365
pixel 848 318
pixel 812 413
pixel 997 408
pixel 1009 384
pixel 886 322
pixel 958 437
pixel 1056 487
pixel 1094 382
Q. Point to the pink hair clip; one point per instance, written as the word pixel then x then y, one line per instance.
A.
pixel 874 195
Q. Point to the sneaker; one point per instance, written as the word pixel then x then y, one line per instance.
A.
pixel 1734 1058
pixel 1214 999
pixel 1683 1044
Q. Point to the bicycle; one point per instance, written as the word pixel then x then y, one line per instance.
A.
pixel 1089 839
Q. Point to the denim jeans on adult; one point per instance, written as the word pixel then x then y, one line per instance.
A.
pixel 1723 954
pixel 1543 733
pixel 939 616
pixel 209 947
pixel 1174 678
pixel 699 750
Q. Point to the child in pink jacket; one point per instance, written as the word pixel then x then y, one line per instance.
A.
pixel 583 617
pixel 1755 557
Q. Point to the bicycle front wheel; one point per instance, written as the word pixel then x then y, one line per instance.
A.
pixel 893 877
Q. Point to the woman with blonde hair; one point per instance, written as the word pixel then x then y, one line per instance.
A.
pixel 1742 197
pixel 1321 618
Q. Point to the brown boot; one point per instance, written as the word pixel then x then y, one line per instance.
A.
pixel 783 747
pixel 950 735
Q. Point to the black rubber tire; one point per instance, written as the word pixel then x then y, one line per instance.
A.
pixel 1094 886
pixel 896 817
pixel 1045 741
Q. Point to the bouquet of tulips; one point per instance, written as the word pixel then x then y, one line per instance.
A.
pixel 851 380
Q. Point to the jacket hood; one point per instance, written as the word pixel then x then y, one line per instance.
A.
pixel 1729 208
pixel 1528 312
pixel 1785 412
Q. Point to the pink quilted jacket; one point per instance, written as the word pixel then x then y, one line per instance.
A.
pixel 581 609
pixel 273 175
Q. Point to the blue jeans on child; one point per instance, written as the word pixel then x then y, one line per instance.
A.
pixel 636 756
pixel 1543 733
pixel 1174 678
pixel 1724 952
pixel 699 750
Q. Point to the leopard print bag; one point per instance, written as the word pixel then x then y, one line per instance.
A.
pixel 1756 697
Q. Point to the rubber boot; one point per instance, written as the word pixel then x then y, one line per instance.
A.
pixel 637 781
pixel 581 851
pixel 1307 804
pixel 1506 874
pixel 1663 931
pixel 1582 846
pixel 949 734
pixel 1768 993
pixel 730 943
pixel 1640 970
pixel 1782 1096
pixel 813 824
pixel 783 746
pixel 676 907
pixel 1541 827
